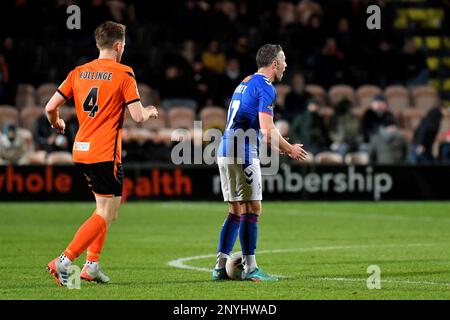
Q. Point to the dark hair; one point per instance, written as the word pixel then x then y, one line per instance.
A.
pixel 108 33
pixel 266 54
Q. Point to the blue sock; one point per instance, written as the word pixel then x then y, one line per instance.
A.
pixel 248 233
pixel 228 234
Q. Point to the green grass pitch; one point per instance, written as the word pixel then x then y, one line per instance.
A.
pixel 322 250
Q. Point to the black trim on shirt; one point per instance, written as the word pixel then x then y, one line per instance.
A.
pixel 129 102
pixel 63 95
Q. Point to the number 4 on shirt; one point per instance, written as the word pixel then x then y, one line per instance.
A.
pixel 90 103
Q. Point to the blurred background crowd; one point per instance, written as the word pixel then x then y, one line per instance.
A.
pixel 350 94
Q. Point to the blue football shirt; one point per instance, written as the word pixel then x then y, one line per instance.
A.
pixel 253 95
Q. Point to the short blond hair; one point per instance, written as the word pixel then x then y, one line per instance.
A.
pixel 108 33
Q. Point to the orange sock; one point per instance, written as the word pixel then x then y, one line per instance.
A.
pixel 86 234
pixel 95 248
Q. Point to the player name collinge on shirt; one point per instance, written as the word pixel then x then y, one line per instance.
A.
pixel 96 75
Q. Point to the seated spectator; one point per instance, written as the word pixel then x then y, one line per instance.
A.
pixel 213 58
pixel 425 135
pixel 204 84
pixel 49 139
pixel 12 147
pixel 344 129
pixel 376 117
pixel 388 146
pixel 310 130
pixel 230 79
pixel 297 99
pixel 444 149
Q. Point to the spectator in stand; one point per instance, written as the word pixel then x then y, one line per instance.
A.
pixel 388 146
pixel 213 58
pixel 205 86
pixel 444 149
pixel 12 147
pixel 376 117
pixel 310 130
pixel 297 99
pixel 425 135
pixel 344 129
pixel 230 79
pixel 189 51
pixel 48 139
pixel 414 64
pixel 306 9
pixel 176 89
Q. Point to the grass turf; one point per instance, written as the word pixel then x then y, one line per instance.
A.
pixel 322 249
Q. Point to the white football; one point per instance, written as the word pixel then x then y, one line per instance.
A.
pixel 235 266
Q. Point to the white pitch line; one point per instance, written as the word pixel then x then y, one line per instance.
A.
pixel 181 262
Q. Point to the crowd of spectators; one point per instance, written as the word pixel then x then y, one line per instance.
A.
pixel 193 53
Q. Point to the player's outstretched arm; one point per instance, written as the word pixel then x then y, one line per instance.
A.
pixel 140 114
pixel 276 140
pixel 52 111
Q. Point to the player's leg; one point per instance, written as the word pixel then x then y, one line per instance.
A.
pixel 230 228
pixel 227 239
pixel 105 180
pixel 108 208
pixel 251 207
pixel 87 232
pixel 248 234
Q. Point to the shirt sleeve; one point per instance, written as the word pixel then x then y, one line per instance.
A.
pixel 129 89
pixel 66 88
pixel 266 98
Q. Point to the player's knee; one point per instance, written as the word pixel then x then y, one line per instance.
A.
pixel 255 207
pixel 234 208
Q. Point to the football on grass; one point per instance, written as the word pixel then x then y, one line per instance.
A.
pixel 235 266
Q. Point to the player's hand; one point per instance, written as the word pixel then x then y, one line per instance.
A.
pixel 152 112
pixel 298 152
pixel 60 125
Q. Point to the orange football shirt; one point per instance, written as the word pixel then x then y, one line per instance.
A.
pixel 101 89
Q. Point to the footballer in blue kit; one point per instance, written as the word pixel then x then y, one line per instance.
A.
pixel 250 117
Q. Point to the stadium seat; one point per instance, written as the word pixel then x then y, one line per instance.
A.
pixel 59 158
pixel 326 113
pixel 365 94
pixel 328 157
pixel 411 118
pixel 397 97
pixel 358 112
pixel 25 95
pixel 8 114
pixel 36 157
pixel 45 91
pixel 318 92
pixel 181 117
pixel 357 158
pixel 155 124
pixel 213 117
pixel 29 116
pixel 282 91
pixel 424 97
pixel 340 91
